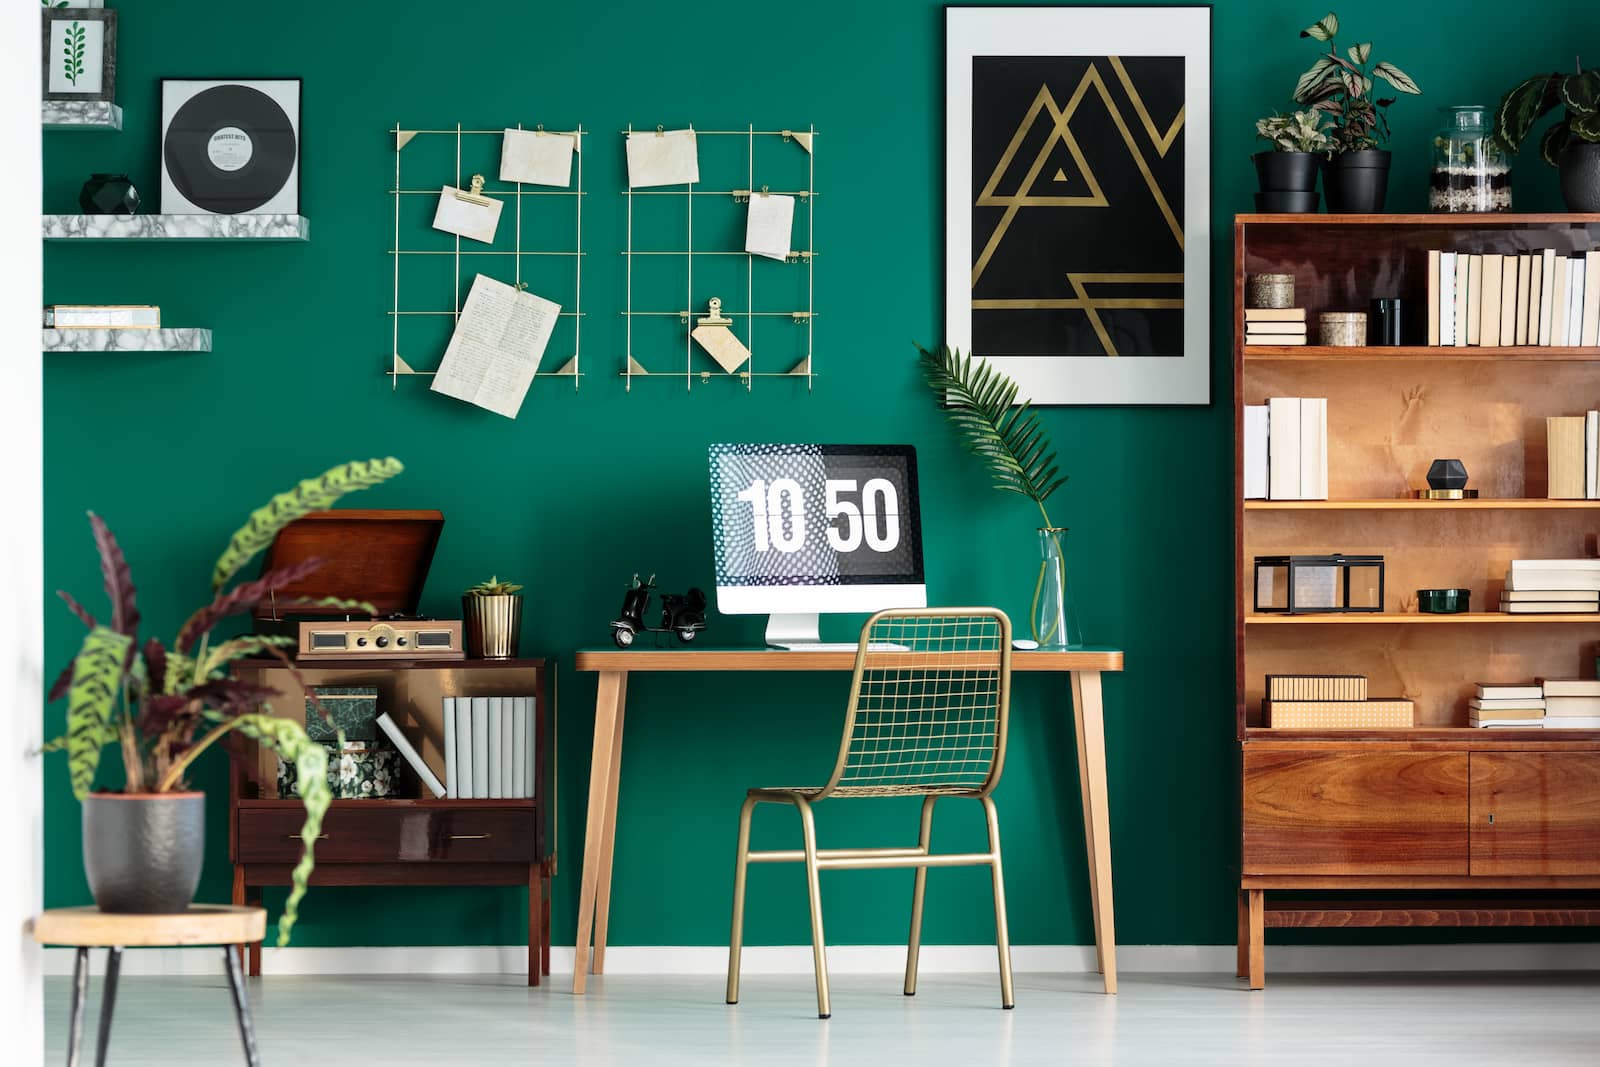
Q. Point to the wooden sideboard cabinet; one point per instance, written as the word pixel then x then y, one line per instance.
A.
pixel 1439 824
pixel 416 841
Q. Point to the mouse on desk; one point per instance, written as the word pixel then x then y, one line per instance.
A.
pixel 1023 644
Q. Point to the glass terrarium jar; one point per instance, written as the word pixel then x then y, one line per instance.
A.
pixel 1471 172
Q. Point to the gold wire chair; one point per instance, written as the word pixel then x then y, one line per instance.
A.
pixel 929 701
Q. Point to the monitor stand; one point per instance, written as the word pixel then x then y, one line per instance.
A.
pixel 795 632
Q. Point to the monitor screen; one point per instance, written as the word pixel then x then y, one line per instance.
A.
pixel 816 528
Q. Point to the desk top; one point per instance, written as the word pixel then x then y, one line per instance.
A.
pixel 202 924
pixel 777 659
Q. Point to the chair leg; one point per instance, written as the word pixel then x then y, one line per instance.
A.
pixel 808 826
pixel 241 1006
pixel 741 866
pixel 1002 936
pixel 914 942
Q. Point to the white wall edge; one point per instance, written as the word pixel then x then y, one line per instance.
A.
pixel 855 959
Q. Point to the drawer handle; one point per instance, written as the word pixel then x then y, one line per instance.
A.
pixel 296 837
pixel 469 837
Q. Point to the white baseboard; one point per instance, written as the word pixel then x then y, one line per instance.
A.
pixel 854 959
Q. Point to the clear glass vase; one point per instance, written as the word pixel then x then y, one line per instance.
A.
pixel 1055 618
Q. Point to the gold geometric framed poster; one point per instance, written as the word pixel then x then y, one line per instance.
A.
pixel 1078 199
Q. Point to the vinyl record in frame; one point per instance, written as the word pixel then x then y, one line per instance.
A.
pixel 230 147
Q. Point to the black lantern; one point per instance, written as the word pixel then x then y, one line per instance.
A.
pixel 1298 585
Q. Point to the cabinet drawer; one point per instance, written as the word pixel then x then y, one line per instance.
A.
pixel 1355 812
pixel 391 833
pixel 1535 813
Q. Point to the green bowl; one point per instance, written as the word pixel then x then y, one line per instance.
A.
pixel 1443 601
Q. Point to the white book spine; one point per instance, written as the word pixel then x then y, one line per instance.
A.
pixel 519 747
pixel 508 755
pixel 1447 298
pixel 1575 302
pixel 464 779
pixel 480 747
pixel 1255 451
pixel 1283 448
pixel 497 788
pixel 1547 268
pixel 452 784
pixel 1590 334
pixel 1433 296
pixel 532 706
pixel 411 756
pixel 1591 454
pixel 1314 448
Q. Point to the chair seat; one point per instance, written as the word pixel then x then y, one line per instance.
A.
pixel 808 792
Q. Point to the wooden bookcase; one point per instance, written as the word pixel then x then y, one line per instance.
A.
pixel 1461 825
pixel 419 840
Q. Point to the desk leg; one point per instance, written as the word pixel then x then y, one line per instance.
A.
pixel 608 839
pixel 1088 715
pixel 608 703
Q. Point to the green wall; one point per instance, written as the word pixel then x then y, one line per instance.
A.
pixel 584 489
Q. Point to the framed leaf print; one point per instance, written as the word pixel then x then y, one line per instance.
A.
pixel 1078 199
pixel 80 53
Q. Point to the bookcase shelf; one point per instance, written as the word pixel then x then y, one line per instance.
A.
pixel 1401 504
pixel 1396 618
pixel 1459 734
pixel 1435 353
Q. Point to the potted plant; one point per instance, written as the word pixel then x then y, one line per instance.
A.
pixel 1571 145
pixel 492 612
pixel 1355 176
pixel 163 705
pixel 1288 170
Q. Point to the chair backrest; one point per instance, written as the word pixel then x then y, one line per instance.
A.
pixel 928 702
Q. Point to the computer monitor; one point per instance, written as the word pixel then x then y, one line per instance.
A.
pixel 805 529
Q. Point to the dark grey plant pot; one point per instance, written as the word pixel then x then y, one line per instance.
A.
pixel 1580 176
pixel 1356 182
pixel 142 851
pixel 1286 172
pixel 1282 202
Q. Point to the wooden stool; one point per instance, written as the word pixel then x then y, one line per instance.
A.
pixel 202 924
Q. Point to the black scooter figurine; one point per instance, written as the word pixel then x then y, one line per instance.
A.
pixel 683 615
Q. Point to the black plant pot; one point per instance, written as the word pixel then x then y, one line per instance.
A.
pixel 1287 172
pixel 1356 181
pixel 108 194
pixel 1278 202
pixel 142 851
pixel 1580 176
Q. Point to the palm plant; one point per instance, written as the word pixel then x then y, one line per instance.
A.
pixel 981 403
pixel 151 700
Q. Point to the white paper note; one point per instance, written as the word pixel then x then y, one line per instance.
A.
pixel 667 157
pixel 499 340
pixel 534 157
pixel 475 221
pixel 769 225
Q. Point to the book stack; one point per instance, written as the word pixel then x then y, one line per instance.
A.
pixel 1571 703
pixel 1572 456
pixel 102 317
pixel 1286 449
pixel 1274 326
pixel 1534 298
pixel 1330 702
pixel 490 749
pixel 1552 587
pixel 1507 705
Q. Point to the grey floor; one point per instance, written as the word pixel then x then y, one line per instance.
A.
pixel 1507 1020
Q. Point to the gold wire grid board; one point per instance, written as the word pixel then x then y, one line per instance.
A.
pixel 792 362
pixel 490 261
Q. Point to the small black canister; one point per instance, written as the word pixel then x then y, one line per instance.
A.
pixel 1384 321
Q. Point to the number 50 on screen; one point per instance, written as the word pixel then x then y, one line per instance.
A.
pixel 858 508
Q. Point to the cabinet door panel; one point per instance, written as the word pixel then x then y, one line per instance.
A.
pixel 1355 812
pixel 1535 813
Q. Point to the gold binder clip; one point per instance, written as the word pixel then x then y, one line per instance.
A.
pixel 474 195
pixel 714 316
pixel 661 131
pixel 741 196
pixel 764 191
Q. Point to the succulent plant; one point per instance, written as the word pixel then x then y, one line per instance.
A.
pixel 493 587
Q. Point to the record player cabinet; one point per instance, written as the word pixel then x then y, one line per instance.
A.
pixel 398 842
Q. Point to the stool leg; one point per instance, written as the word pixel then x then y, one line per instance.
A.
pixel 241 1006
pixel 108 1003
pixel 80 990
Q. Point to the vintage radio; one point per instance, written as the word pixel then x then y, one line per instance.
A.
pixel 378 557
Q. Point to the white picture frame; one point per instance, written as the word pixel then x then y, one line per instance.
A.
pixel 1064 347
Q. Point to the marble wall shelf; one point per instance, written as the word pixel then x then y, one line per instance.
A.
pixel 80 115
pixel 177 340
pixel 176 228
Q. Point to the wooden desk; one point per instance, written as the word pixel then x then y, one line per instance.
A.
pixel 614 666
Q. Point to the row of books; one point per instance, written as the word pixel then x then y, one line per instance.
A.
pixel 1548 703
pixel 102 317
pixel 1572 456
pixel 1551 587
pixel 1286 449
pixel 1274 326
pixel 490 748
pixel 1331 702
pixel 1533 298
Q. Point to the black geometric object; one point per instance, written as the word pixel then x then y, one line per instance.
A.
pixel 108 194
pixel 1447 474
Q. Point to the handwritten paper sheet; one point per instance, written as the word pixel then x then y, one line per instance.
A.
pixel 769 225
pixel 534 157
pixel 499 340
pixel 667 157
pixel 475 221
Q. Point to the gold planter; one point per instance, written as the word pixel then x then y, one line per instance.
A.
pixel 493 625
